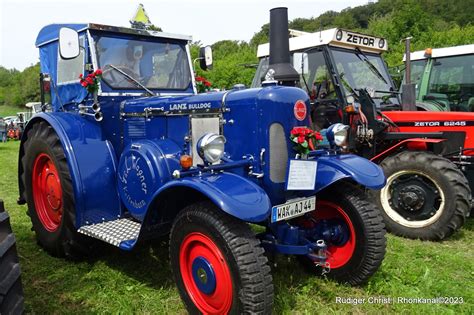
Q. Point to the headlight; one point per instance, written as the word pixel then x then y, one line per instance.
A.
pixel 210 147
pixel 337 134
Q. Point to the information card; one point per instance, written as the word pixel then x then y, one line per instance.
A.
pixel 301 175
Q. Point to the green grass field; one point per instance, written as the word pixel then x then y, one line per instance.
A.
pixel 140 281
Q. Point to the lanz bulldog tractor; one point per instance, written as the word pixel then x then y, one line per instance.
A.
pixel 130 151
pixel 427 157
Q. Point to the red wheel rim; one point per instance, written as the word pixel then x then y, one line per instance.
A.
pixel 47 192
pixel 338 256
pixel 197 246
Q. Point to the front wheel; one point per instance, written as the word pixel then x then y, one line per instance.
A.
pixel 426 196
pixel 218 264
pixel 356 242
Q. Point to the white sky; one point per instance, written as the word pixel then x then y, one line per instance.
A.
pixel 206 20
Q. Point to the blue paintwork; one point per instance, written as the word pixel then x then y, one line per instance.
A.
pixel 92 165
pixel 207 285
pixel 233 194
pixel 332 168
pixel 123 165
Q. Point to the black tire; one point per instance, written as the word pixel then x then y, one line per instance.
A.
pixel 248 272
pixel 11 290
pixel 426 180
pixel 63 240
pixel 354 266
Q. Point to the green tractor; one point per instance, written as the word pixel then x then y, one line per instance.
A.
pixel 444 78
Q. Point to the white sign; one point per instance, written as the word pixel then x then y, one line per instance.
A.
pixel 301 175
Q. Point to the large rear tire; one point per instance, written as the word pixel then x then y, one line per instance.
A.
pixel 359 250
pixel 11 290
pixel 49 194
pixel 426 197
pixel 218 263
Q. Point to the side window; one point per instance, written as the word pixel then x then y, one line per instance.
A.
pixel 69 70
pixel 319 78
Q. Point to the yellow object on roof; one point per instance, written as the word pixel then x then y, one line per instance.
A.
pixel 140 16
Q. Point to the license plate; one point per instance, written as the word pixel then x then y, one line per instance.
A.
pixel 293 208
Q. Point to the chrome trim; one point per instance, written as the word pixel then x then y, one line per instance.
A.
pixel 93 53
pixel 142 94
pixel 191 69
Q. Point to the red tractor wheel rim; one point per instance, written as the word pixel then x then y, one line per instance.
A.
pixel 47 192
pixel 197 247
pixel 338 256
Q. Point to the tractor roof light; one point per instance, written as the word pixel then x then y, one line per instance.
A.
pixel 210 147
pixel 428 52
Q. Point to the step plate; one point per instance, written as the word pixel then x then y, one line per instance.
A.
pixel 113 232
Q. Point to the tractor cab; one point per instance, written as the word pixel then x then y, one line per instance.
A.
pixel 334 64
pixel 444 78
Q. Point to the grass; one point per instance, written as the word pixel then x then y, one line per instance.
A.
pixel 140 281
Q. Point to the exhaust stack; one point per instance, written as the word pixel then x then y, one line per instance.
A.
pixel 279 68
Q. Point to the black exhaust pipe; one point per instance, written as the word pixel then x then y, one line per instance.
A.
pixel 279 68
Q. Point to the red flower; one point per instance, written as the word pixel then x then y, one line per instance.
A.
pixel 89 80
pixel 80 76
pixel 199 79
pixel 207 83
pixel 294 132
pixel 318 136
pixel 84 83
pixel 98 72
pixel 301 139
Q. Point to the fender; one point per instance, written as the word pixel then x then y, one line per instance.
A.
pixel 332 168
pixel 92 165
pixel 233 194
pixel 414 143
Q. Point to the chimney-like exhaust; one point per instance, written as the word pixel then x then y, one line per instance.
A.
pixel 279 65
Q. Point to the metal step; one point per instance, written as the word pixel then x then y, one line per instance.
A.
pixel 113 232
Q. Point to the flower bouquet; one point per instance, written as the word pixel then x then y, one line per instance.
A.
pixel 306 140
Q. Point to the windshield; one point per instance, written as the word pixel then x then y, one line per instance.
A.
pixel 362 70
pixel 153 63
pixel 452 80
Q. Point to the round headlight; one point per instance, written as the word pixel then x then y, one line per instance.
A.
pixel 210 147
pixel 337 134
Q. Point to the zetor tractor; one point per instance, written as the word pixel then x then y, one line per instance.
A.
pixel 130 152
pixel 426 156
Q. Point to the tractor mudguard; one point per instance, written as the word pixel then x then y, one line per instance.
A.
pixel 332 168
pixel 92 164
pixel 414 143
pixel 233 194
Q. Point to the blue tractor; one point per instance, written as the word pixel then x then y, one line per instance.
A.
pixel 130 151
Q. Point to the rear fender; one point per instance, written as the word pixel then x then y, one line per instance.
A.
pixel 233 194
pixel 92 164
pixel 332 168
pixel 412 144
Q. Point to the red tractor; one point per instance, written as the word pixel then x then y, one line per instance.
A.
pixel 427 157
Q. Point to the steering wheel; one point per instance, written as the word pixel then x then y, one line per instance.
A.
pixel 116 78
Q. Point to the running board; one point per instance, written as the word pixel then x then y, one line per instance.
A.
pixel 122 233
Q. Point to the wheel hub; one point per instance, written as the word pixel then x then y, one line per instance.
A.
pixel 203 275
pixel 414 197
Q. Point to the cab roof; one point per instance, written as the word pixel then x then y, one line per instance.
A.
pixel 443 52
pixel 333 37
pixel 50 33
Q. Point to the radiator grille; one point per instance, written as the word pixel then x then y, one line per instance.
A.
pixel 278 153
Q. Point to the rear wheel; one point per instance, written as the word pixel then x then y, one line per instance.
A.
pixel 218 264
pixel 49 193
pixel 426 196
pixel 11 290
pixel 356 242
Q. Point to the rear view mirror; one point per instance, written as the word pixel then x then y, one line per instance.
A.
pixel 68 43
pixel 205 58
pixel 300 63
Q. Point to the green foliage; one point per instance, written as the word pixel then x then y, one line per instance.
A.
pixel 18 88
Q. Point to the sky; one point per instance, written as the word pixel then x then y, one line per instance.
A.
pixel 208 21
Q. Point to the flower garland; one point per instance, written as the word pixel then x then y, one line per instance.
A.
pixel 202 85
pixel 91 81
pixel 306 139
